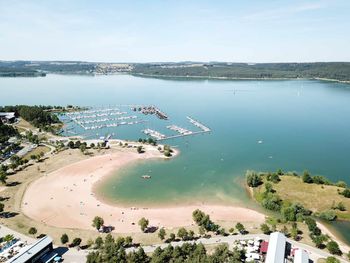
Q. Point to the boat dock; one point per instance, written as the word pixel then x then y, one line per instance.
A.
pixel 198 124
pixel 180 130
pixel 157 135
pixel 100 118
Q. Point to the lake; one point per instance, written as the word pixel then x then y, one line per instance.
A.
pixel 294 125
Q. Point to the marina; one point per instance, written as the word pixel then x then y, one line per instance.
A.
pixel 113 117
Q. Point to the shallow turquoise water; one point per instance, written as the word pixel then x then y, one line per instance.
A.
pixel 303 125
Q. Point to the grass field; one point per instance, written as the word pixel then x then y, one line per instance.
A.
pixel 312 196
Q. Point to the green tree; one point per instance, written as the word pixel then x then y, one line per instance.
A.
pixel 140 149
pixel 172 237
pixel 97 222
pixel 265 229
pixel 64 239
pixel 319 240
pixel 341 206
pixel 71 144
pixel 240 228
pixel 143 223
pixel 82 147
pixel 328 215
pixel 253 179
pixel 76 241
pixel 182 233
pixel 2 206
pixel 274 177
pixel 294 233
pixel 345 193
pixel 307 178
pixel 333 248
pixel 98 242
pixel 128 241
pixel 161 233
pixel 8 238
pixel 32 231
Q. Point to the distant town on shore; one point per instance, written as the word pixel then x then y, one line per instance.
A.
pixel 332 71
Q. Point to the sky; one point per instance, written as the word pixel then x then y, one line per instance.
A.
pixel 177 30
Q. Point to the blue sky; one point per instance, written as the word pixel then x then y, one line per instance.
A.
pixel 178 30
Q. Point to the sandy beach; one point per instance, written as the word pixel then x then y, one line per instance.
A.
pixel 64 198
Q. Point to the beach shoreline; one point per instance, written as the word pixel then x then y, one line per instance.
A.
pixel 64 198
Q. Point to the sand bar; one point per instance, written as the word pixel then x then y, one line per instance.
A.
pixel 64 198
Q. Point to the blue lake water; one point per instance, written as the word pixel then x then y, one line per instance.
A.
pixel 302 125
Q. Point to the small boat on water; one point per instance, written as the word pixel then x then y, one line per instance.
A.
pixel 145 176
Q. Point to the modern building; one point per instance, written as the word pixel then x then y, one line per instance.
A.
pixel 276 252
pixel 301 256
pixel 34 253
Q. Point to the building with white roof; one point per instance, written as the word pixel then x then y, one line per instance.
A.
pixel 34 253
pixel 276 252
pixel 301 256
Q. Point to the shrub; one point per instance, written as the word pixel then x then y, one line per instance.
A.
pixel 76 241
pixel 328 215
pixel 346 193
pixel 272 202
pixel 265 229
pixel 32 231
pixel 273 178
pixel 253 179
pixel 333 248
pixel 64 239
pixel 307 178
pixel 143 223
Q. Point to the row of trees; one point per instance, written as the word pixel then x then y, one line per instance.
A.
pixel 113 250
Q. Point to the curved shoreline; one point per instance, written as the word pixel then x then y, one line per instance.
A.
pixel 64 198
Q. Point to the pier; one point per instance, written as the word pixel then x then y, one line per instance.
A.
pixel 182 131
pixel 157 135
pixel 198 124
